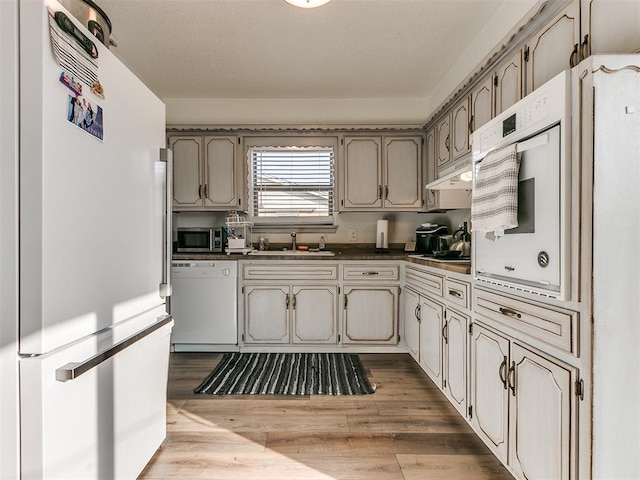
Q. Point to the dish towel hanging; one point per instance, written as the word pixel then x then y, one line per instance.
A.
pixel 494 200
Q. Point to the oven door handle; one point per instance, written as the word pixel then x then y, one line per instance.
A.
pixel 535 142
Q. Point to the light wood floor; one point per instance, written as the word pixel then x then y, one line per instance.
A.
pixel 405 431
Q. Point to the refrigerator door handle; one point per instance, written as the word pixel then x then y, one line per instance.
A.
pixel 74 369
pixel 166 156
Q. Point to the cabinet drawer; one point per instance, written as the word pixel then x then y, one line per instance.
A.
pixel 457 292
pixel 552 325
pixel 366 272
pixel 423 281
pixel 277 271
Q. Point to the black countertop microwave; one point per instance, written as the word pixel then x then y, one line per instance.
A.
pixel 200 239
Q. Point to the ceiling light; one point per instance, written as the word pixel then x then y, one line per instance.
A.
pixel 307 3
pixel 466 176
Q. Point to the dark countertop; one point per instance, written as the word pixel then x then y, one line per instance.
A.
pixel 342 252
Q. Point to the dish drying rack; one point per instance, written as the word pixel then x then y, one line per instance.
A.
pixel 238 231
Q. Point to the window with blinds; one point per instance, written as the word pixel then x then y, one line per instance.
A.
pixel 292 184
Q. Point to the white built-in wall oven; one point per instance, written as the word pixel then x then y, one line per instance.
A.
pixel 535 256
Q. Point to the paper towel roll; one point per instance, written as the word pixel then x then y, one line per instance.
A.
pixel 382 234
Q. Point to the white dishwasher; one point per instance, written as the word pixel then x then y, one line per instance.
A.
pixel 204 305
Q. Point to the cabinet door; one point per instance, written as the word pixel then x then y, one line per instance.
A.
pixel 220 172
pixel 187 174
pixel 489 393
pixel 314 314
pixel 266 312
pixel 370 315
pixel 482 104
pixel 548 53
pixel 443 144
pixel 610 26
pixel 363 186
pixel 460 117
pixel 412 323
pixel 540 422
pixel 431 200
pixel 431 323
pixel 509 83
pixel 455 359
pixel 402 162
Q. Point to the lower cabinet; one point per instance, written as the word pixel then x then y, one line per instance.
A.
pixel 431 322
pixel 412 323
pixel 314 314
pixel 290 314
pixel 523 406
pixel 435 334
pixel 456 327
pixel 370 314
pixel 320 304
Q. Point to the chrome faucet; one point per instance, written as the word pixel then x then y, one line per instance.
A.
pixel 293 240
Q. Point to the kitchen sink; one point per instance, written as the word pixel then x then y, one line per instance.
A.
pixel 292 253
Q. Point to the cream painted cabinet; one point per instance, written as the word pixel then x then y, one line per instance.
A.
pixel 542 416
pixel 370 314
pixel 291 304
pixel 609 26
pixel 290 314
pixel 412 323
pixel 314 314
pixel 431 325
pixel 382 173
pixel 455 333
pixel 549 52
pixel 508 82
pixel 432 196
pixel 207 173
pixel 266 314
pixel 481 104
pixel 523 406
pixel 460 129
pixel 187 177
pixel 362 173
pixel 402 160
pixel 443 144
pixel 489 389
pixel 437 200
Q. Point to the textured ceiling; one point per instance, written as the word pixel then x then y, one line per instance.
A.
pixel 269 49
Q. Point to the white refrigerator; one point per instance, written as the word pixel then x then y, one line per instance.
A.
pixel 94 233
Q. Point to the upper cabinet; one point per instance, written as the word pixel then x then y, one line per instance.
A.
pixel 460 129
pixel 508 82
pixel 402 160
pixel 549 52
pixel 206 173
pixel 481 104
pixel 443 144
pixel 609 26
pixel 382 173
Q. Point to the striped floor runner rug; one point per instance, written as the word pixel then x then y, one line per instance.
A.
pixel 288 374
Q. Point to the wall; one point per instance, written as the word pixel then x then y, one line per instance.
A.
pixel 261 111
pixel 308 111
pixel 402 226
pixel 491 35
pixel 9 436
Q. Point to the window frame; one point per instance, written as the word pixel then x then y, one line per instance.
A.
pixel 276 143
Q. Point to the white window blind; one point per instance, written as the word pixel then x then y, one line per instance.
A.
pixel 292 184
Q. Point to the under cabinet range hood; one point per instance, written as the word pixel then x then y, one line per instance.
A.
pixel 458 177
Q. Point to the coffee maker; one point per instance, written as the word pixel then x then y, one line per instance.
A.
pixel 428 237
